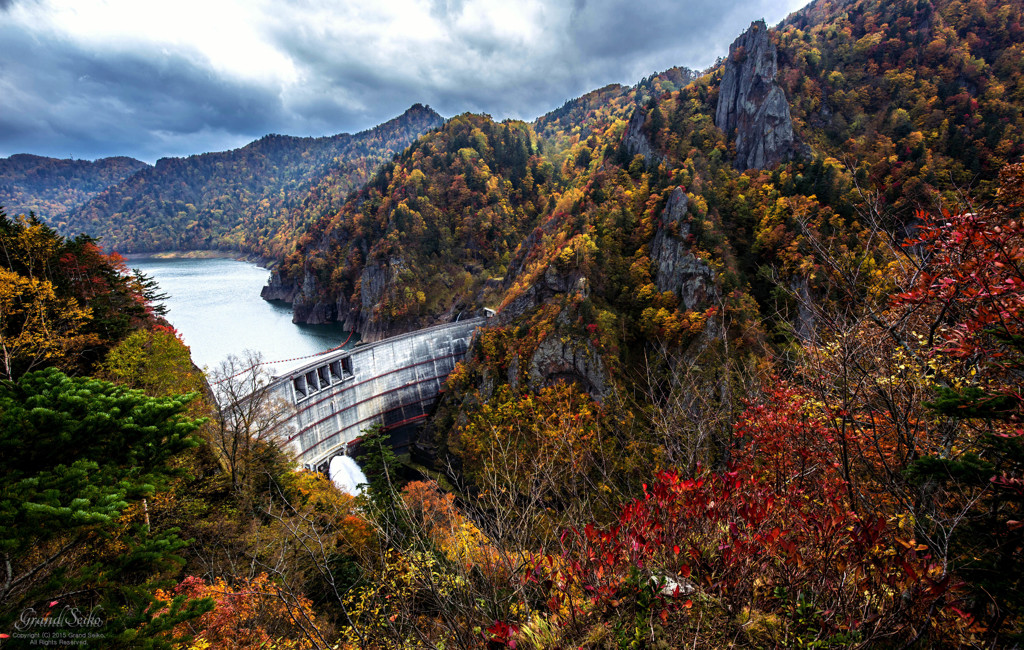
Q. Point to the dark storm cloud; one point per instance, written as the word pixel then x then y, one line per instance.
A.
pixel 651 27
pixel 584 45
pixel 61 97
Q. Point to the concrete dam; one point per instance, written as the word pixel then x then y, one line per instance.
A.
pixel 393 382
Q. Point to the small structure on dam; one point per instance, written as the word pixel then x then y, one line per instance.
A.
pixel 393 382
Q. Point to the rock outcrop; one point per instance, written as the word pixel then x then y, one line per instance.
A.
pixel 805 323
pixel 752 105
pixel 277 289
pixel 306 306
pixel 354 313
pixel 636 141
pixel 557 359
pixel 676 268
pixel 547 287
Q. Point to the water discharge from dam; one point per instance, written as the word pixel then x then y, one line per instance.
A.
pixel 347 475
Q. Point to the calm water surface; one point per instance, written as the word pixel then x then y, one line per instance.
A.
pixel 216 305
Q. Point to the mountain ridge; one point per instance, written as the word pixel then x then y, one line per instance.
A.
pixel 51 187
pixel 242 199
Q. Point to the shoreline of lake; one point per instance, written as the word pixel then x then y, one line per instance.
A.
pixel 215 304
pixel 204 254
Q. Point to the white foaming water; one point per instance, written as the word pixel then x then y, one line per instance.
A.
pixel 346 474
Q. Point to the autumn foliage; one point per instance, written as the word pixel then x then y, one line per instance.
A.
pixel 772 541
pixel 249 614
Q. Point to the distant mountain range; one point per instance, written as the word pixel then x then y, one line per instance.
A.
pixel 50 187
pixel 248 199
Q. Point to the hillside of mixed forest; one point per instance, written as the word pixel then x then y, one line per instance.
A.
pixel 652 252
pixel 254 199
pixel 891 104
pixel 752 377
pixel 50 187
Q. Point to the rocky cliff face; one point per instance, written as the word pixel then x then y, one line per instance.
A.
pixel 752 105
pixel 676 268
pixel 557 359
pixel 637 142
pixel 277 289
pixel 305 306
pixel 355 313
pixel 805 323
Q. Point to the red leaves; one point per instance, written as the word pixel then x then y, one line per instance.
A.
pixel 973 272
pixel 778 519
pixel 501 634
pixel 1009 483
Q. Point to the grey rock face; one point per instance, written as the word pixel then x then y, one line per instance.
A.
pixel 276 289
pixel 676 268
pixel 636 140
pixel 805 320
pixel 306 308
pixel 313 313
pixel 752 104
pixel 563 355
pixel 373 283
pixel 569 360
pixel 354 313
pixel 551 284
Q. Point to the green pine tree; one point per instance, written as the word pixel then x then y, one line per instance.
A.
pixel 75 454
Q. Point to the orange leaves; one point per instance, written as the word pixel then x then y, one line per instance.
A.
pixel 458 538
pixel 321 502
pixel 252 613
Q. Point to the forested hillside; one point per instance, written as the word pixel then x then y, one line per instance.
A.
pixel 753 377
pixel 250 199
pixel 431 231
pixel 51 187
pixel 709 276
pixel 117 476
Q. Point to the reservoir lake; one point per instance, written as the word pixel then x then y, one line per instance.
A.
pixel 215 305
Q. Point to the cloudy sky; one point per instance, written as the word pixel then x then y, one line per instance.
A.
pixel 93 78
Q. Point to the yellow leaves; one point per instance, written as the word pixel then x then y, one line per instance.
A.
pixel 37 326
pixel 33 246
pixel 158 362
pixel 640 271
pixel 566 201
pixel 389 593
pixel 557 428
pixel 699 203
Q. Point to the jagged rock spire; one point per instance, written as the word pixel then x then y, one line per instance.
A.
pixel 752 105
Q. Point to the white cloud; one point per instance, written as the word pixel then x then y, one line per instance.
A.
pixel 226 34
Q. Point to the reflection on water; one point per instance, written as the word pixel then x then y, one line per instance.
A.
pixel 216 305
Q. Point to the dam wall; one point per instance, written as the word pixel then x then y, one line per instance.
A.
pixel 393 382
